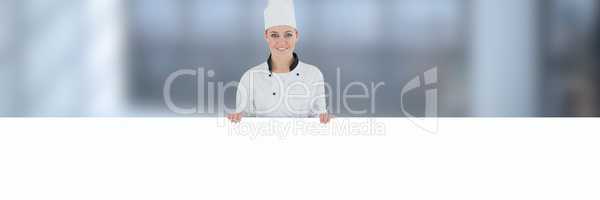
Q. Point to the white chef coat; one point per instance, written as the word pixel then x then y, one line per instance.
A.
pixel 299 93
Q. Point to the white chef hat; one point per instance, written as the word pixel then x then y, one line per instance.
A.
pixel 280 12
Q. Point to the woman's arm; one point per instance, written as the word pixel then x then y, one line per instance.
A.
pixel 244 99
pixel 320 100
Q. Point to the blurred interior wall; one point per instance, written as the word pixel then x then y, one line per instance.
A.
pixel 597 49
pixel 52 46
pixel 8 73
pixel 504 60
pixel 65 57
pixel 71 58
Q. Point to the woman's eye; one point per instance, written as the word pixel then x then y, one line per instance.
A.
pixel 289 35
pixel 274 35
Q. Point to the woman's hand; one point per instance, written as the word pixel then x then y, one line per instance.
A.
pixel 235 117
pixel 325 118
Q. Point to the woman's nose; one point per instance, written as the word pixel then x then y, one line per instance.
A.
pixel 281 42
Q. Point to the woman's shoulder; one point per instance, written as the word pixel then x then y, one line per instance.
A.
pixel 310 68
pixel 261 68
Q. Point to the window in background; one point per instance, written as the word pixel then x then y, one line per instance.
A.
pixel 570 53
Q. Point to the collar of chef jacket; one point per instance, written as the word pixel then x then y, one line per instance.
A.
pixel 292 67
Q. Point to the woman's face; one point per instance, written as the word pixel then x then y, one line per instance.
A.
pixel 282 40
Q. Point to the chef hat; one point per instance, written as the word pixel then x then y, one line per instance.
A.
pixel 280 12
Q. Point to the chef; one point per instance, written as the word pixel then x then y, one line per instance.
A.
pixel 283 86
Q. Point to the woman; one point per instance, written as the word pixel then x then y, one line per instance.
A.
pixel 283 86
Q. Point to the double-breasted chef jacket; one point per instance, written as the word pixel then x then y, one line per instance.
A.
pixel 299 93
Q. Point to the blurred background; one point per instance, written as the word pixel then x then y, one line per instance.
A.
pixel 511 58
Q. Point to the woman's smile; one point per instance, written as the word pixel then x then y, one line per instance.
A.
pixel 282 50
